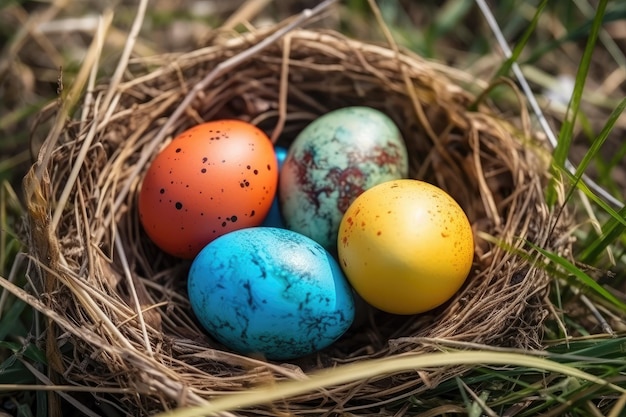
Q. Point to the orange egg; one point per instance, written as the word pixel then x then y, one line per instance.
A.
pixel 214 178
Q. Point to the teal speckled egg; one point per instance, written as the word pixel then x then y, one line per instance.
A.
pixel 331 162
pixel 270 291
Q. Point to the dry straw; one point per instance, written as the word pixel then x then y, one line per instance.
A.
pixel 119 320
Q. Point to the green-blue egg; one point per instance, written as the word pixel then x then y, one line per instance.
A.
pixel 331 162
pixel 271 292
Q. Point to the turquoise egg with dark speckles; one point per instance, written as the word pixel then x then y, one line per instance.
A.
pixel 331 162
pixel 270 291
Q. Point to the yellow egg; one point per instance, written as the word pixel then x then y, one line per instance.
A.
pixel 405 246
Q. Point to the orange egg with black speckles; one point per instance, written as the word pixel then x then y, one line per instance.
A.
pixel 214 178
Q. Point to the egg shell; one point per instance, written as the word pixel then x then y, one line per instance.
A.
pixel 405 246
pixel 270 291
pixel 333 160
pixel 214 178
pixel 275 218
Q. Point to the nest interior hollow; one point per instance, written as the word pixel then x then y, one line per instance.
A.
pixel 128 319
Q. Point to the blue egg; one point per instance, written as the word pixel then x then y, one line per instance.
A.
pixel 274 218
pixel 270 291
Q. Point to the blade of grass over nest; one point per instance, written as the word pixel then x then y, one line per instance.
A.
pixel 566 134
pixel 581 276
pixel 505 68
pixel 379 368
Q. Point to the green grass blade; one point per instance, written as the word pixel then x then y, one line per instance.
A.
pixel 598 349
pixel 612 230
pixel 599 140
pixel 577 34
pixel 593 197
pixel 617 224
pixel 566 134
pixel 582 277
pixel 523 41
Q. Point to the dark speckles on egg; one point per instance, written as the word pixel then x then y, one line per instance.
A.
pixel 281 293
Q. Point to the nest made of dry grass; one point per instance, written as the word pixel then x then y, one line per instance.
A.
pixel 120 320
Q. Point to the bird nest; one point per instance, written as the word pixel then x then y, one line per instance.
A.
pixel 119 318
